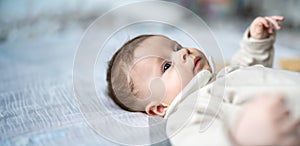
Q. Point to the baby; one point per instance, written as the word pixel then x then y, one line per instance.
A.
pixel 156 75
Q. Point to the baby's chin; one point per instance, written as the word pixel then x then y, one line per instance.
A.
pixel 208 68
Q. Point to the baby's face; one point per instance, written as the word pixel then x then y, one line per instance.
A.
pixel 163 68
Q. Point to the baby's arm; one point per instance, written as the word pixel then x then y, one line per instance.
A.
pixel 257 42
pixel 266 121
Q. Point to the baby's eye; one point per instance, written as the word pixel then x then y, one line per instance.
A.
pixel 166 66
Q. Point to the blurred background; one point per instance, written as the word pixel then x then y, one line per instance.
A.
pixel 38 42
pixel 27 21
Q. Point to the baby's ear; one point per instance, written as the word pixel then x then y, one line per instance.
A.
pixel 156 109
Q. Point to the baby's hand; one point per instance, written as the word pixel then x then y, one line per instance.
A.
pixel 266 121
pixel 262 27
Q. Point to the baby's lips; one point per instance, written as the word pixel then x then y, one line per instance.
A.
pixel 196 59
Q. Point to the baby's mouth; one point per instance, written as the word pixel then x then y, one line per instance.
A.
pixel 197 63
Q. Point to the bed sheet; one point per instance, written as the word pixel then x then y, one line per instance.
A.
pixel 37 102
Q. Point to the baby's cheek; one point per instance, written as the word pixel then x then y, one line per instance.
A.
pixel 174 86
pixel 157 89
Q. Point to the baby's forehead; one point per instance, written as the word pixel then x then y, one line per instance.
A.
pixel 159 40
pixel 155 45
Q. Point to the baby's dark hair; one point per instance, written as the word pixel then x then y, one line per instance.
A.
pixel 120 85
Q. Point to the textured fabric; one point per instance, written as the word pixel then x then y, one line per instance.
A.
pixel 37 102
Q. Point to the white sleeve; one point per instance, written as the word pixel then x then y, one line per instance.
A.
pixel 215 135
pixel 254 51
pixel 198 125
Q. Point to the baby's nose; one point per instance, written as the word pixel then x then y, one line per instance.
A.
pixel 184 53
pixel 181 56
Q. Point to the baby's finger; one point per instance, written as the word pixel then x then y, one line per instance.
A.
pixel 281 114
pixel 292 140
pixel 276 101
pixel 263 21
pixel 278 18
pixel 270 30
pixel 279 109
pixel 290 126
pixel 274 22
